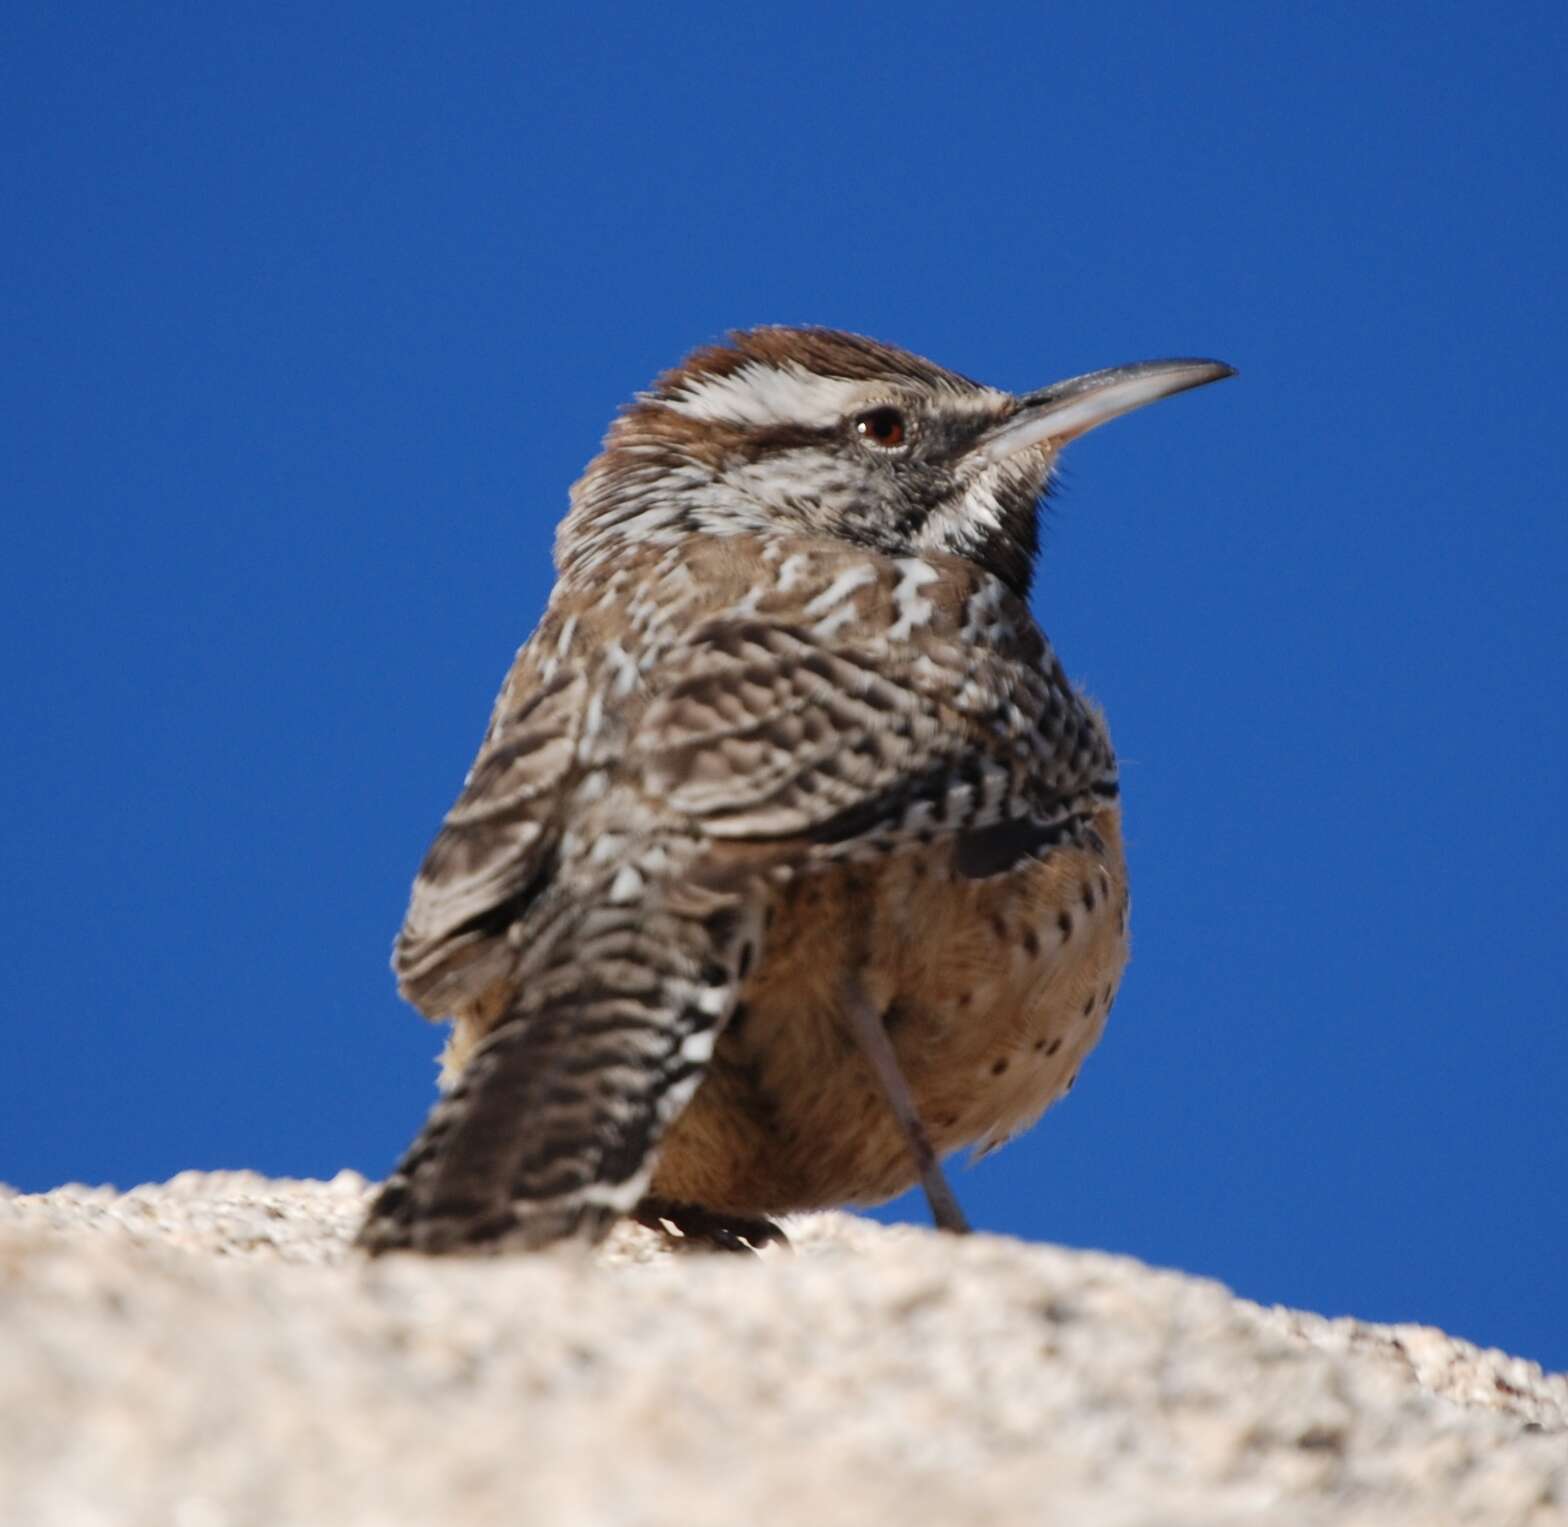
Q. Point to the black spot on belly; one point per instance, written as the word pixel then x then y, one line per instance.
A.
pixel 1054 1046
pixel 1088 897
pixel 1031 943
pixel 1064 921
pixel 1071 1083
pixel 999 926
pixel 1088 1007
pixel 999 1066
pixel 761 1104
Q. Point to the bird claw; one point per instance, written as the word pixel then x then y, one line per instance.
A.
pixel 692 1227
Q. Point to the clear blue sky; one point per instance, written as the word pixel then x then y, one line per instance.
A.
pixel 311 314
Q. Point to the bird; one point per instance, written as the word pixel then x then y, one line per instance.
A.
pixel 791 860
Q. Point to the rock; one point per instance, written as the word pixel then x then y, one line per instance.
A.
pixel 210 1352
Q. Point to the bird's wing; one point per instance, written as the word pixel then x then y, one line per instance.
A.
pixel 839 742
pixel 494 853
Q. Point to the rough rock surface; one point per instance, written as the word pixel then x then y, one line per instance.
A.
pixel 209 1352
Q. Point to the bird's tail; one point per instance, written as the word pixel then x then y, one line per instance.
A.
pixel 551 1129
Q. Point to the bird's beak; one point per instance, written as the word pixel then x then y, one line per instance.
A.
pixel 1062 412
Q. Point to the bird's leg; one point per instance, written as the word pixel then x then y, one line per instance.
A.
pixel 708 1227
pixel 866 1024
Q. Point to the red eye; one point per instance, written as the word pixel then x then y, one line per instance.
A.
pixel 881 426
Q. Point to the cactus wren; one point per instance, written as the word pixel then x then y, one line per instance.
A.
pixel 791 860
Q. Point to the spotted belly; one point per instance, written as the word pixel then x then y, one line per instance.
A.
pixel 994 991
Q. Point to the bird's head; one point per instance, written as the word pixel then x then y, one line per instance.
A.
pixel 816 432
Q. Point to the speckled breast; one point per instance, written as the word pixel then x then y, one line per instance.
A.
pixel 994 990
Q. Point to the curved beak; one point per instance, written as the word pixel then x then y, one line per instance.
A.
pixel 1064 411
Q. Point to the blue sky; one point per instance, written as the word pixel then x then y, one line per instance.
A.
pixel 311 315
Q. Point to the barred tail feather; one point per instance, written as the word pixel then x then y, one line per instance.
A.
pixel 551 1130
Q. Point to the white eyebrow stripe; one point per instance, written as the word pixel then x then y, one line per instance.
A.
pixel 763 394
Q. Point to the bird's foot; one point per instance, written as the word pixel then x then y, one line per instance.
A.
pixel 693 1227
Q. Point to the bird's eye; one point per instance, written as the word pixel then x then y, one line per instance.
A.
pixel 882 426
